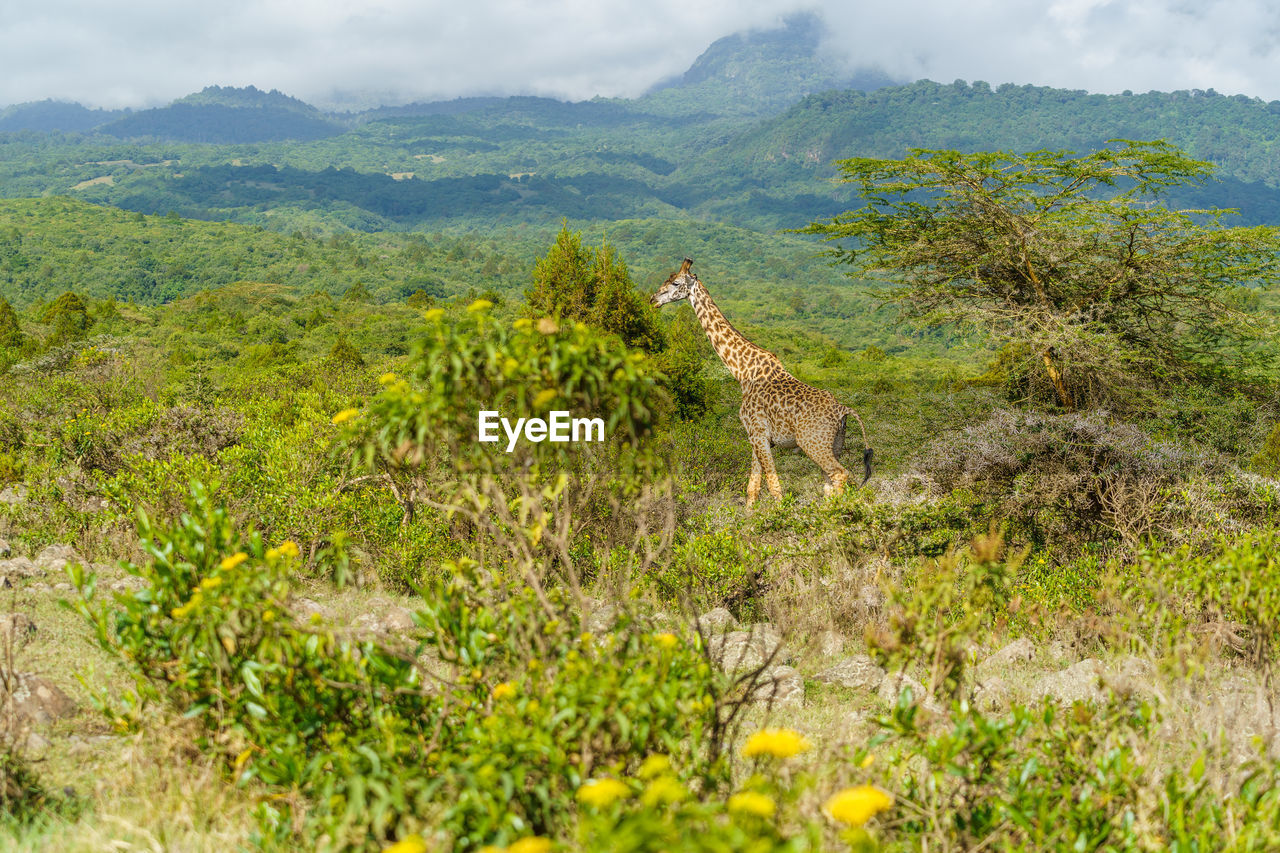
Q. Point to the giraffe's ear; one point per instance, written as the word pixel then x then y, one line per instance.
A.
pixel 684 268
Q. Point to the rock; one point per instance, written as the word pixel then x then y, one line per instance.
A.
pixel 128 583
pixel 1131 676
pixel 779 685
pixel 892 685
pixel 55 558
pixel 17 628
pixel 1080 682
pixel 14 494
pixel 308 611
pixel 717 621
pixel 859 672
pixel 991 694
pixel 20 567
pixel 740 650
pixel 1019 651
pixel 599 617
pixel 36 743
pixel 392 619
pixel 5 550
pixel 37 699
pixel 871 597
pixel 830 644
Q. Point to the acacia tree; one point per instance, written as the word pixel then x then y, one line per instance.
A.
pixel 1095 288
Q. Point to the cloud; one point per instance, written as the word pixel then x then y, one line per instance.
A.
pixel 146 52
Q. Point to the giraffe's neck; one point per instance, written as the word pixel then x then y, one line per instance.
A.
pixel 746 361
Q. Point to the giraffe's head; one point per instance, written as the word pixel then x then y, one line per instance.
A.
pixel 676 287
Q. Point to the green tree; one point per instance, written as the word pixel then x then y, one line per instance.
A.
pixel 574 283
pixel 69 318
pixel 618 307
pixel 1067 260
pixel 10 328
pixel 563 279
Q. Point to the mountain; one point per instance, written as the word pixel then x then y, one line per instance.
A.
pixel 761 73
pixel 228 115
pixel 53 116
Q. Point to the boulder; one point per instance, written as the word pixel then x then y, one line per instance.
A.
pixel 742 650
pixel 892 685
pixel 830 644
pixel 55 558
pixel 387 620
pixel 1019 651
pixel 20 567
pixel 13 495
pixel 717 621
pixel 859 672
pixel 308 611
pixel 36 699
pixel 991 694
pixel 1080 682
pixel 778 685
pixel 5 550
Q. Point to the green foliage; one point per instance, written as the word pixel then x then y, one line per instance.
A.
pixel 712 569
pixel 573 283
pixel 487 744
pixel 1267 460
pixel 1018 245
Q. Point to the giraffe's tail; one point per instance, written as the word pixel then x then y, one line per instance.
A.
pixel 867 452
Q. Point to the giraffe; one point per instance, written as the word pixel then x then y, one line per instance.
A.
pixel 777 409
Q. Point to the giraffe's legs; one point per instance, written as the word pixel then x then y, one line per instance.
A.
pixel 820 451
pixel 763 458
pixel 753 485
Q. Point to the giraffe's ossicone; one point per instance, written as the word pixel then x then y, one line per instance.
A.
pixel 777 409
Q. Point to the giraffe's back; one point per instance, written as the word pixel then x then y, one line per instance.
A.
pixel 792 412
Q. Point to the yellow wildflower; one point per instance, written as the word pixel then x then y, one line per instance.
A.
pixel 289 548
pixel 546 395
pixel 433 314
pixel 210 583
pixel 522 323
pixel 229 563
pixel 654 765
pixel 480 305
pixel 532 844
pixel 181 611
pixel 386 379
pixel 504 690
pixel 602 793
pixel 412 844
pixel 666 640
pixel 752 803
pixel 345 415
pixel 268 615
pixel 868 761
pixel 780 743
pixel 664 789
pixel 856 806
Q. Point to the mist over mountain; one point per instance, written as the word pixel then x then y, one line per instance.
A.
pixel 749 135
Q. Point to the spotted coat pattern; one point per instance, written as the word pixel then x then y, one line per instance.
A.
pixel 777 410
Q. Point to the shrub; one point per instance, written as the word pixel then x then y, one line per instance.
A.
pixel 487 742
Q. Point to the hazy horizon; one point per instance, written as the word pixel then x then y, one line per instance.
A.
pixel 340 54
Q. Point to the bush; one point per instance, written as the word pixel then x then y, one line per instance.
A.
pixel 486 741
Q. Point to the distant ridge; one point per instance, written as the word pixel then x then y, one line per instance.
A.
pixel 225 114
pixel 50 116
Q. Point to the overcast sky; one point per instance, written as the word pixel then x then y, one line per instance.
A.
pixel 141 53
